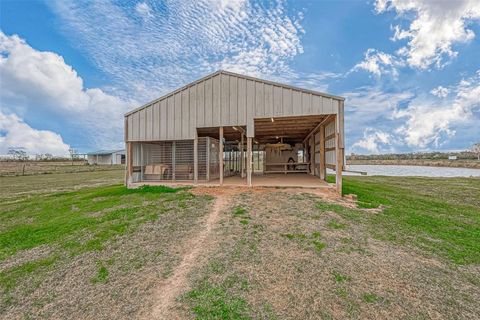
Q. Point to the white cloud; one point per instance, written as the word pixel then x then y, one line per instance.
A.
pixel 440 92
pixel 430 122
pixel 183 40
pixel 374 141
pixel 368 107
pixel 14 132
pixel 435 27
pixel 144 10
pixel 33 79
pixel 368 104
pixel 378 63
pixel 228 4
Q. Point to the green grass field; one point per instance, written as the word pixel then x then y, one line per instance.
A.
pixel 85 239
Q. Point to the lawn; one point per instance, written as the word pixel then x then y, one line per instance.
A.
pixel 80 245
pixel 59 231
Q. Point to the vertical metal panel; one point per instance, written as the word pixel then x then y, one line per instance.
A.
pixel 306 103
pixel 268 88
pixel 163 119
pixel 250 106
pixel 200 102
pixel 277 101
pixel 335 106
pixel 178 115
pixel 208 103
pixel 216 111
pixel 130 127
pixel 327 105
pixel 170 118
pixel 224 99
pixel 259 107
pixel 287 101
pixel 156 121
pixel 185 115
pixel 149 123
pixel 297 101
pixel 193 111
pixel 142 125
pixel 316 105
pixel 242 101
pixel 233 91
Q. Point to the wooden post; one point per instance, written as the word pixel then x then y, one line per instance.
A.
pixel 174 160
pixel 258 157
pixel 339 161
pixel 220 155
pixel 242 158
pixel 323 167
pixel 249 161
pixel 195 159
pixel 128 175
pixel 311 146
pixel 141 161
pixel 208 157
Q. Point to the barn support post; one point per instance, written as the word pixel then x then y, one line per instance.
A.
pixel 242 158
pixel 220 155
pixel 141 161
pixel 208 158
pixel 249 161
pixel 174 160
pixel 311 147
pixel 339 159
pixel 195 159
pixel 323 167
pixel 128 176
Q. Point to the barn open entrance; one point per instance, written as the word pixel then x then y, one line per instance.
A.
pixel 296 150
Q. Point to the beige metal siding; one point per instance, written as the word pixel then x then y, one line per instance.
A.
pixel 178 116
pixel 268 99
pixel 242 102
pixel 224 99
pixel 217 111
pixel 170 119
pixel 185 115
pixel 259 108
pixel 208 103
pixel 233 99
pixel 250 104
pixel 163 119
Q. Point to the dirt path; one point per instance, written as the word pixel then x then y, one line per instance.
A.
pixel 176 284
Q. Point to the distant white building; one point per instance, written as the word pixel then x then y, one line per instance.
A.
pixel 452 157
pixel 106 157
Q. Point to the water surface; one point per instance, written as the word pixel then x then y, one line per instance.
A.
pixel 419 171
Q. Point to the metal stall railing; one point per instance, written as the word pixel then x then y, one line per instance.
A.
pixel 166 161
pixel 174 160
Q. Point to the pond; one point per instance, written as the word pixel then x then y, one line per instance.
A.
pixel 423 171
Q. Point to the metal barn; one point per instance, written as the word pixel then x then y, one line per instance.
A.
pixel 228 128
pixel 106 157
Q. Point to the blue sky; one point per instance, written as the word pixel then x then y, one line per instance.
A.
pixel 410 70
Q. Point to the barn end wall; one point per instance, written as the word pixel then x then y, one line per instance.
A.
pixel 223 99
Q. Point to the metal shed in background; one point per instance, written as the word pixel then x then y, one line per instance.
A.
pixel 106 157
pixel 231 125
